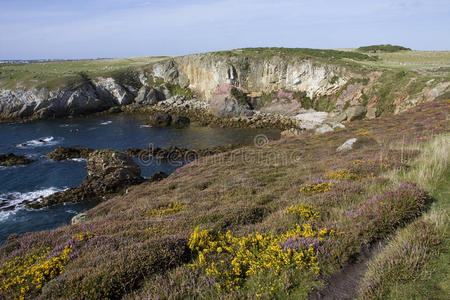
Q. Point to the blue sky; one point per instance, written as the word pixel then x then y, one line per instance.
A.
pixel 31 29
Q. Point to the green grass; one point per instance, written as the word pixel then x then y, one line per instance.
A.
pixel 57 74
pixel 415 263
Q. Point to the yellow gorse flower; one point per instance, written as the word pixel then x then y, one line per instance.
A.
pixel 311 189
pixel 342 174
pixel 231 259
pixel 31 272
pixel 169 209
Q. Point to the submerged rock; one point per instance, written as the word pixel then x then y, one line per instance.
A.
pixel 160 119
pixel 11 159
pixel 63 153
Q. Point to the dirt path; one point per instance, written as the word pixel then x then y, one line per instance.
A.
pixel 344 284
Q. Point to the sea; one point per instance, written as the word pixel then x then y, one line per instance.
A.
pixel 45 176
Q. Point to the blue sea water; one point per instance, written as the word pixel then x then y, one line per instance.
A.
pixel 119 132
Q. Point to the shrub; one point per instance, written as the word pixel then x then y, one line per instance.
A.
pixel 169 209
pixel 230 260
pixel 316 187
pixel 25 276
pixel 387 211
pixel 383 48
pixel 111 275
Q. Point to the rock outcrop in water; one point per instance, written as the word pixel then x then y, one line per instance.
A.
pixel 63 153
pixel 11 159
pixel 109 172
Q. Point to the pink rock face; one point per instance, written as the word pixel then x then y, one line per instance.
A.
pixel 285 95
pixel 224 89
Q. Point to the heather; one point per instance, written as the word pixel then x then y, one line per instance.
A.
pixel 252 222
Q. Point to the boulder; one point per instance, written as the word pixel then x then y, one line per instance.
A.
pixel 63 153
pixel 160 119
pixel 356 112
pixel 311 119
pixel 340 117
pixel 347 145
pixel 181 122
pixel 11 159
pixel 371 113
pixel 357 143
pixel 78 219
pixel 323 129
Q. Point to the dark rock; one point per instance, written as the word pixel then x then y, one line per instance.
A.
pixel 63 153
pixel 115 110
pixel 160 119
pixel 11 159
pixel 109 172
pixel 181 122
pixel 158 176
pixel 150 96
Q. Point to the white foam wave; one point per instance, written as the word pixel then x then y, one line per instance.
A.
pixel 40 142
pixel 145 126
pixel 17 199
pixel 106 123
pixel 78 159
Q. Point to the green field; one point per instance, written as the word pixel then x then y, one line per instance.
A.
pixel 57 74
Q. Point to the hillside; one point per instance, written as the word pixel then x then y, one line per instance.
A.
pixel 274 220
pixel 275 80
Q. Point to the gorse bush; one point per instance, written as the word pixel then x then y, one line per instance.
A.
pixel 230 260
pixel 316 187
pixel 169 209
pixel 25 276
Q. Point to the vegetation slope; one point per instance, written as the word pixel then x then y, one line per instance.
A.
pixel 274 221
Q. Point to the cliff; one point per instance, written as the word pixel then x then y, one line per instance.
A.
pixel 275 80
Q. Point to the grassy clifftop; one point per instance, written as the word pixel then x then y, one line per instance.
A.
pixel 269 221
pixel 56 74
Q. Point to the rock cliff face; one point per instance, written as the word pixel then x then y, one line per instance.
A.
pixel 205 73
pixel 99 95
pixel 269 83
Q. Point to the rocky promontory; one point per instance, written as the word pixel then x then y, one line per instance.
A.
pixel 109 172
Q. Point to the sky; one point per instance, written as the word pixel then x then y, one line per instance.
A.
pixel 63 29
